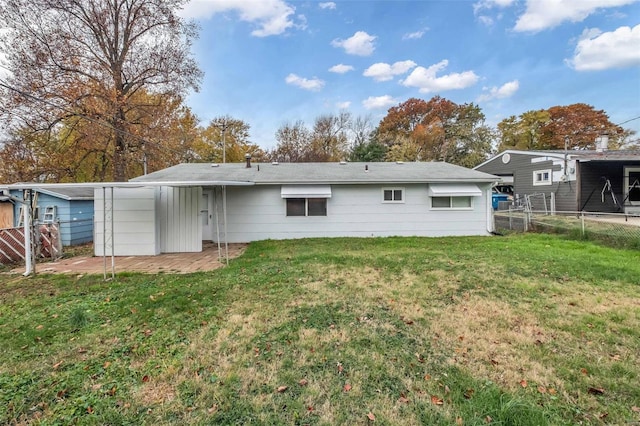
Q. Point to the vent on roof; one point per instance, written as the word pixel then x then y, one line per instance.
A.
pixel 274 163
pixel 399 162
pixel 342 163
pixel 215 165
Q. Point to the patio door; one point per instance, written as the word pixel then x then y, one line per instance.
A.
pixel 632 186
pixel 206 214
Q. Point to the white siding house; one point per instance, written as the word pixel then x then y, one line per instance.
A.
pixel 175 209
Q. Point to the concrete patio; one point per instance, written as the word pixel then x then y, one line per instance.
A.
pixel 171 263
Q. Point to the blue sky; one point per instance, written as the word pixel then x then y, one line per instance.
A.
pixel 271 62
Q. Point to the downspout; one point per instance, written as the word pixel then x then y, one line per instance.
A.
pixel 489 209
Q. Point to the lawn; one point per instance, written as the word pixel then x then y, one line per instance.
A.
pixel 519 330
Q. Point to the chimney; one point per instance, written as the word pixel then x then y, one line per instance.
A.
pixel 247 157
pixel 602 143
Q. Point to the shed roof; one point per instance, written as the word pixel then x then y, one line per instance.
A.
pixel 71 193
pixel 318 173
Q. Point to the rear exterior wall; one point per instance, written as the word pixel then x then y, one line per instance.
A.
pixel 259 213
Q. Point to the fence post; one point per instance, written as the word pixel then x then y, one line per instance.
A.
pixel 58 239
pixel 582 220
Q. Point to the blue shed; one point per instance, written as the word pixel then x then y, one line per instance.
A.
pixel 71 207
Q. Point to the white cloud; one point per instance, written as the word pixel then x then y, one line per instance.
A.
pixel 384 72
pixel 490 4
pixel 360 44
pixel 343 105
pixel 327 5
pixel 544 14
pixel 426 81
pixel 505 91
pixel 341 68
pixel 600 51
pixel 313 84
pixel 485 20
pixel 377 102
pixel 414 35
pixel 271 16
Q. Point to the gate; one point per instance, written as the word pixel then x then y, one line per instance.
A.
pixel 47 243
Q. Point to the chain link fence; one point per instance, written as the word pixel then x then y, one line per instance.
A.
pixel 612 229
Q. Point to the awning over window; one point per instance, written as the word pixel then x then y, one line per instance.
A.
pixel 454 190
pixel 306 191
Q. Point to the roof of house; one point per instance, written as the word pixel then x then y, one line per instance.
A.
pixel 325 173
pixel 580 155
pixel 71 193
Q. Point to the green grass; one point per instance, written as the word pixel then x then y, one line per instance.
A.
pixel 518 330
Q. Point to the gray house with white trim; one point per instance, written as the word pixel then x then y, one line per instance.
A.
pixel 175 209
pixel 594 181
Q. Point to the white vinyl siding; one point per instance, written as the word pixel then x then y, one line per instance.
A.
pixel 256 213
pixel 134 222
pixel 180 221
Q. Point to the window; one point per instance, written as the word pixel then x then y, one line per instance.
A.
pixel 453 203
pixel 393 195
pixel 542 177
pixel 306 206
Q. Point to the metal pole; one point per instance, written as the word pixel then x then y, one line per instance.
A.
pixel 113 258
pixel 215 203
pixel 104 233
pixel 224 142
pixel 26 214
pixel 582 217
pixel 224 214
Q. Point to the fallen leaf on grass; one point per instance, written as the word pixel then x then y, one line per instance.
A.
pixel 427 376
pixel 635 409
pixel 57 365
pixel 584 371
pixel 346 387
pixel 112 391
pixel 90 410
pixel 40 327
pixel 488 419
pixel 403 399
pixel 145 379
pixel 459 421
pixel 552 391
pixel 523 383
pixel 468 393
pixel 596 391
pixel 436 400
pixel 282 389
pixel 212 409
pixel 106 364
pixel 542 389
pixel 371 417
pixel 303 382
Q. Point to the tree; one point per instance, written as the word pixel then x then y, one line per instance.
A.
pixel 577 125
pixel 226 139
pixel 88 62
pixel 524 132
pixel 294 141
pixel 329 141
pixel 439 130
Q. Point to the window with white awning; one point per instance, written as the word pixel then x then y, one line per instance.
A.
pixel 306 191
pixel 454 190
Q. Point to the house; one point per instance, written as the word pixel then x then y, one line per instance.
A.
pixel 595 181
pixel 175 209
pixel 70 206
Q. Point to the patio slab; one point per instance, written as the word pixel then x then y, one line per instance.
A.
pixel 172 263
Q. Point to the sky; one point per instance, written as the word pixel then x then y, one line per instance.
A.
pixel 273 62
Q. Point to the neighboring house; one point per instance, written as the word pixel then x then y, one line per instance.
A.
pixel 175 209
pixel 594 181
pixel 71 207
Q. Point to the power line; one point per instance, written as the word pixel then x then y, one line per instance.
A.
pixel 629 120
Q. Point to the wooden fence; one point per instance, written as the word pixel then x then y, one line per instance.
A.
pixel 46 238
